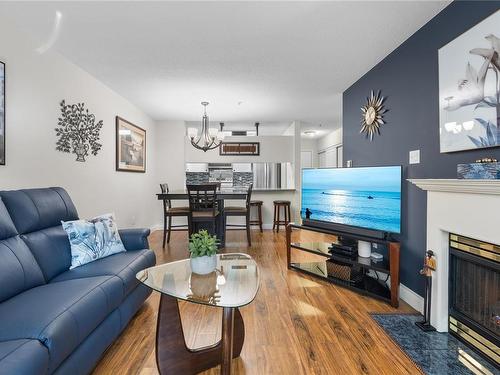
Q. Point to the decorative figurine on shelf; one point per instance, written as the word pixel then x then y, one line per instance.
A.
pixel 486 160
pixel 429 266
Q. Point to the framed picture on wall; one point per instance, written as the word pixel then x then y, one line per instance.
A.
pixel 2 113
pixel 469 88
pixel 239 148
pixel 130 147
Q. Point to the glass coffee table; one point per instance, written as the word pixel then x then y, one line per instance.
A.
pixel 232 285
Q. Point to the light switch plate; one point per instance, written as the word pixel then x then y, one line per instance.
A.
pixel 415 157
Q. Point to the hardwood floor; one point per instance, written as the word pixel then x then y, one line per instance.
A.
pixel 296 325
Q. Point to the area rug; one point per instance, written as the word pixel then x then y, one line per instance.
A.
pixel 435 353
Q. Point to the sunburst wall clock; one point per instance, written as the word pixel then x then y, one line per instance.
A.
pixel 373 115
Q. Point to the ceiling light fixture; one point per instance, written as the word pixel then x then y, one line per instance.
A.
pixel 209 138
pixel 310 133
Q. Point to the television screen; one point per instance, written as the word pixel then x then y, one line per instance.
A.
pixel 361 197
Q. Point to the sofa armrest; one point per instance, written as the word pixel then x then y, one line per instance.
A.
pixel 135 239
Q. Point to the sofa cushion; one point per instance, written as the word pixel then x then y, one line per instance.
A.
pixel 93 239
pixel 124 265
pixel 51 249
pixel 7 228
pixel 37 215
pixel 19 270
pixel 23 357
pixel 35 209
pixel 61 315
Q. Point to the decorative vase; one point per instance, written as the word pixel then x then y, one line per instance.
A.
pixel 80 150
pixel 204 265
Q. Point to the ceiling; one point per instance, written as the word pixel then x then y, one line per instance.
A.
pixel 270 127
pixel 253 61
pixel 265 128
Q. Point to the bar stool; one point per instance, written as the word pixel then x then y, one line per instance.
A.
pixel 286 209
pixel 258 222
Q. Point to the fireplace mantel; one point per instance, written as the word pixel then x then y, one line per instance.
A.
pixel 465 207
pixel 491 187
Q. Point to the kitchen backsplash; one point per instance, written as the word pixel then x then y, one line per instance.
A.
pixel 239 178
pixel 242 178
pixel 193 178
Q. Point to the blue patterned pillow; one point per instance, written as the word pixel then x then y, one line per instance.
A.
pixel 93 239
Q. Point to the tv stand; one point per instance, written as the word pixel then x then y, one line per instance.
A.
pixel 364 272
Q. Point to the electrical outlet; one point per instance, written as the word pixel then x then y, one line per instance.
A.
pixel 415 157
pixel 349 163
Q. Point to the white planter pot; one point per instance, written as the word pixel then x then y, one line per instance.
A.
pixel 204 265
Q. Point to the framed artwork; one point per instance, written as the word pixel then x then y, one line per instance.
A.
pixel 469 88
pixel 130 147
pixel 240 148
pixel 2 113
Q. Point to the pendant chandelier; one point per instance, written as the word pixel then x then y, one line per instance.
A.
pixel 209 138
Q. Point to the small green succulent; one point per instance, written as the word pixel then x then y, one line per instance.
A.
pixel 203 244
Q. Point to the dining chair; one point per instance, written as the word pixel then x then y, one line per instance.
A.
pixel 241 211
pixel 168 213
pixel 203 206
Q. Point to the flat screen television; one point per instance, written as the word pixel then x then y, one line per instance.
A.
pixel 350 198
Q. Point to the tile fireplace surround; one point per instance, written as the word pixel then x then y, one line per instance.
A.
pixel 467 207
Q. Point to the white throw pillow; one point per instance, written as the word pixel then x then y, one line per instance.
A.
pixel 92 239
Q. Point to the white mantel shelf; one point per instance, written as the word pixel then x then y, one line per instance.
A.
pixel 491 187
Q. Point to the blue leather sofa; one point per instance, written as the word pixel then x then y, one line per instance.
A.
pixel 54 320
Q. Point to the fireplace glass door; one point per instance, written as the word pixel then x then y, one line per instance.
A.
pixel 474 297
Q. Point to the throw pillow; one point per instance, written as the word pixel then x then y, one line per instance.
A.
pixel 92 239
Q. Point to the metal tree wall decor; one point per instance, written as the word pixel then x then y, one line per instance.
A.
pixel 373 115
pixel 78 131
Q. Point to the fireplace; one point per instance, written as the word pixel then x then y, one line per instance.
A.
pixel 474 294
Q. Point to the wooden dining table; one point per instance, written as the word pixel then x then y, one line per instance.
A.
pixel 223 194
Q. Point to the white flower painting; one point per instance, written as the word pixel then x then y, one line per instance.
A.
pixel 469 88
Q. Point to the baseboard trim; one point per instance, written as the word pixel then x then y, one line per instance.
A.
pixel 411 298
pixel 156 227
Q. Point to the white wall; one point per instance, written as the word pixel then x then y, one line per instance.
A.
pixel 35 84
pixel 170 162
pixel 170 138
pixel 307 144
pixel 331 139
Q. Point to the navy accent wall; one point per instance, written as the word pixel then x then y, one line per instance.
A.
pixel 409 79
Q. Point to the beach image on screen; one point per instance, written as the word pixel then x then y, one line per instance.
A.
pixel 361 197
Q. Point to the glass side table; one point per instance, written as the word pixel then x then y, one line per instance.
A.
pixel 234 284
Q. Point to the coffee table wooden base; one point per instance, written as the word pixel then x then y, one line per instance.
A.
pixel 174 357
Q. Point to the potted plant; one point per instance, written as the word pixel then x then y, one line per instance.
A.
pixel 203 249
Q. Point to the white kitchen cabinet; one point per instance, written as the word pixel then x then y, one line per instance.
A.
pixel 196 167
pixel 242 167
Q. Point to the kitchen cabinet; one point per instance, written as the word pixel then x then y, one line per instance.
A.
pixel 242 167
pixel 196 167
